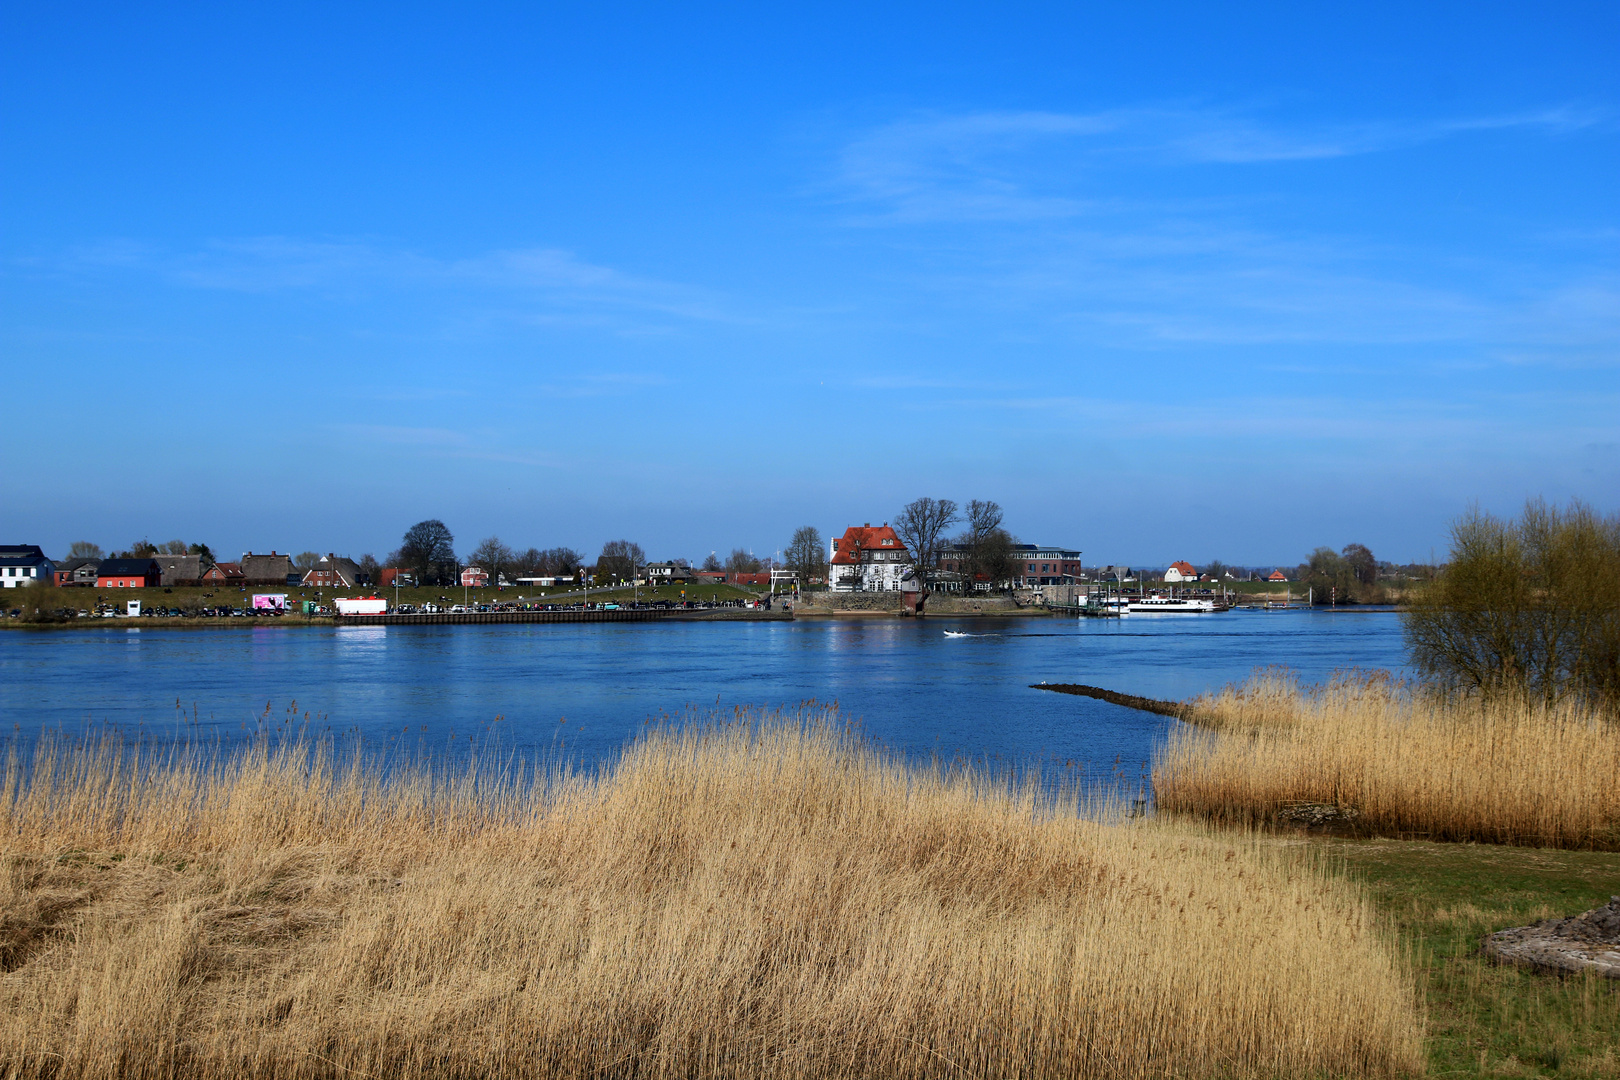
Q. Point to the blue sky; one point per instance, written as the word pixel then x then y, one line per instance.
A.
pixel 1170 285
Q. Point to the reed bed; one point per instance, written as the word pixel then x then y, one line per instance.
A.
pixel 1404 760
pixel 762 897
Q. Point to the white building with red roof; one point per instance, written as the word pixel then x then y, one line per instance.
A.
pixel 867 559
pixel 1181 571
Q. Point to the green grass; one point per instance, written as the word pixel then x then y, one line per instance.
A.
pixel 1485 1019
pixel 188 598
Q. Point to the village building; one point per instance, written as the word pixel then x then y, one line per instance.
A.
pixel 225 573
pixel 474 577
pixel 390 576
pixel 81 572
pixel 1277 575
pixel 334 572
pixel 1043 564
pixel 663 573
pixel 1180 571
pixel 271 569
pixel 24 564
pixel 184 569
pixel 128 574
pixel 867 559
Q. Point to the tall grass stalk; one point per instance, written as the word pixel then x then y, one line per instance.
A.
pixel 764 897
pixel 1447 767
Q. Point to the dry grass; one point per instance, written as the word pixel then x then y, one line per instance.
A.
pixel 761 897
pixel 1408 762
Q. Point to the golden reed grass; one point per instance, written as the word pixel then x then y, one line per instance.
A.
pixel 762 897
pixel 1408 762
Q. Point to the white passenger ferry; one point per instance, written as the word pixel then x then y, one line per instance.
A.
pixel 1169 605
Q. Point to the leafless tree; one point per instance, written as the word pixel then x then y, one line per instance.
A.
pixel 307 560
pixel 741 562
pixel 921 527
pixel 711 562
pixel 84 549
pixel 620 559
pixel 806 555
pixel 493 557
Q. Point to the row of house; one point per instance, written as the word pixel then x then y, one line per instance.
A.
pixel 26 564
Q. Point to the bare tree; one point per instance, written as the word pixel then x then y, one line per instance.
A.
pixel 921 527
pixel 173 547
pixel 493 557
pixel 806 555
pixel 620 559
pixel 1361 563
pixel 741 562
pixel 307 560
pixel 370 569
pixel 84 549
pixel 711 562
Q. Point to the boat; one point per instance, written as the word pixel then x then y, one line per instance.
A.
pixel 1170 605
pixel 956 633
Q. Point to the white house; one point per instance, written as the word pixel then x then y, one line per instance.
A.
pixel 24 564
pixel 867 559
pixel 1181 571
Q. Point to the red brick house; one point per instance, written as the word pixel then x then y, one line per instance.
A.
pixel 128 574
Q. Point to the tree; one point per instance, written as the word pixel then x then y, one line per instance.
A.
pixel 563 561
pixel 1328 576
pixel 307 560
pixel 370 569
pixel 428 550
pixel 201 549
pixel 712 563
pixel 173 547
pixel 140 549
pixel 921 527
pixel 1361 563
pixel 994 558
pixel 1215 569
pixel 619 561
pixel 806 556
pixel 84 549
pixel 1527 608
pixel 986 546
pixel 493 557
pixel 741 562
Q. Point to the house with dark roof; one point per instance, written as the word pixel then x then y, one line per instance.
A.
pixel 225 573
pixel 333 572
pixel 271 569
pixel 184 569
pixel 867 559
pixel 77 572
pixel 24 564
pixel 128 574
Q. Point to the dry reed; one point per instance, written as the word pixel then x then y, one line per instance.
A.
pixel 1445 767
pixel 760 897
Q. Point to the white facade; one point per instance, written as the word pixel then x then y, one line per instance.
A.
pixel 881 574
pixel 15 573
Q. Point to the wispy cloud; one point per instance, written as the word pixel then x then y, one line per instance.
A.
pixel 533 283
pixel 987 166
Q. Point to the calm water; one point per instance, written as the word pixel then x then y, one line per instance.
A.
pixel 586 688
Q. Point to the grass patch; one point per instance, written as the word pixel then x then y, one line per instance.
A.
pixel 753 897
pixel 1405 762
pixel 1487 1020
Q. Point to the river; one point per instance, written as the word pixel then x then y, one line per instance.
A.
pixel 582 690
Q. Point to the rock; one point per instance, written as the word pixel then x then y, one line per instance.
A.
pixel 1314 814
pixel 1585 942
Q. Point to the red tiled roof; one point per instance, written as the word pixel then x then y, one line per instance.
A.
pixel 1277 575
pixel 864 538
pixel 1185 568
